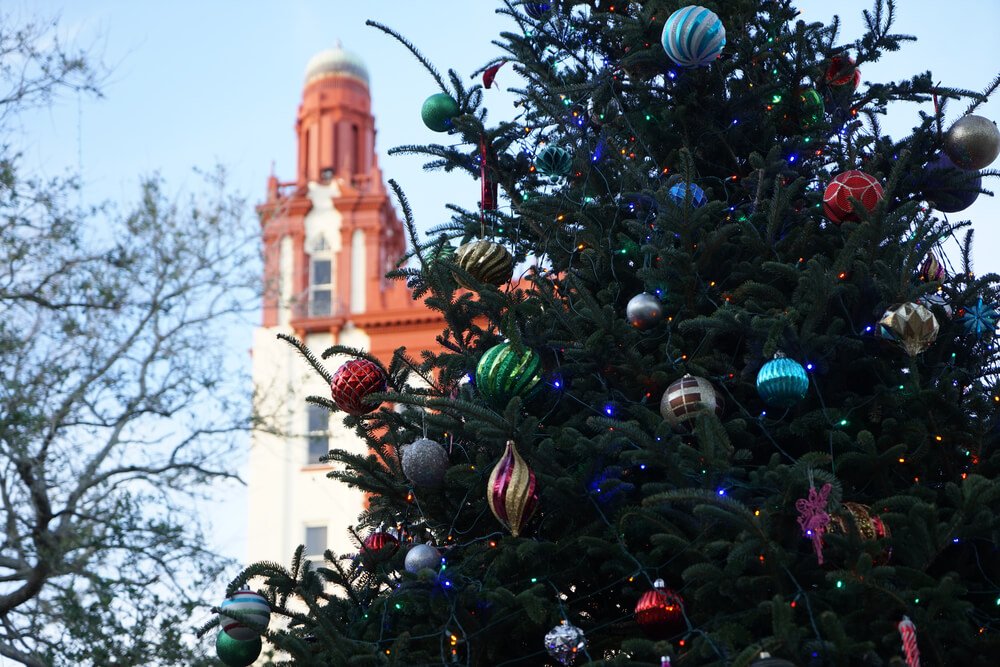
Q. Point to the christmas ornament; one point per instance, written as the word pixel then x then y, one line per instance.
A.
pixel 980 319
pixel 660 611
pixel 693 36
pixel 438 111
pixel 512 492
pixel 490 73
pixel 857 520
pixel 973 142
pixel 687 398
pixel 766 660
pixel 378 547
pixel 503 372
pixel 425 463
pixel 644 311
pixel 554 162
pixel 813 517
pixel 679 192
pixel 931 269
pixel 247 605
pixel 353 382
pixel 947 188
pixel 564 641
pixel 235 652
pixel 913 325
pixel 810 108
pixel 422 557
pixel 842 74
pixel 489 187
pixel 782 382
pixel 486 261
pixel 857 184
pixel 908 633
pixel 537 10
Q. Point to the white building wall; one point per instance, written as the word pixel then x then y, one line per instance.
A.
pixel 287 494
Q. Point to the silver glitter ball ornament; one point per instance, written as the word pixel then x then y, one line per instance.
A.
pixel 973 142
pixel 564 642
pixel 425 463
pixel 422 557
pixel 644 311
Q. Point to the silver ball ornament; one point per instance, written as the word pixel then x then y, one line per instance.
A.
pixel 425 463
pixel 564 642
pixel 973 142
pixel 644 311
pixel 422 557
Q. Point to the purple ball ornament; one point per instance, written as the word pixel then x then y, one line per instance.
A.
pixel 948 188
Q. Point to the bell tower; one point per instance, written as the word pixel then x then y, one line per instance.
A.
pixel 329 236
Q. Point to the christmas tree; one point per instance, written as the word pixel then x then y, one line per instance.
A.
pixel 717 378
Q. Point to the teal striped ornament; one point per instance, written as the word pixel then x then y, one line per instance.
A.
pixel 693 36
pixel 504 372
pixel 782 382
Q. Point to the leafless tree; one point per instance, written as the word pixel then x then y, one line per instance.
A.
pixel 118 404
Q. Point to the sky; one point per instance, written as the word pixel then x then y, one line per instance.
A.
pixel 197 84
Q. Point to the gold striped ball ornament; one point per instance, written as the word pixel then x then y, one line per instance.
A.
pixel 687 398
pixel 486 261
pixel 505 372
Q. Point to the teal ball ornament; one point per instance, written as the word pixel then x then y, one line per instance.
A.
pixel 782 382
pixel 679 192
pixel 438 111
pixel 554 162
pixel 236 652
pixel 244 605
pixel 693 36
pixel 504 372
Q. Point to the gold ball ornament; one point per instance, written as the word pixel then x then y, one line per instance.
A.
pixel 912 324
pixel 486 261
pixel 973 142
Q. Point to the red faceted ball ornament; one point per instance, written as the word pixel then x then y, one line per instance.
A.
pixel 353 383
pixel 378 548
pixel 850 184
pixel 660 611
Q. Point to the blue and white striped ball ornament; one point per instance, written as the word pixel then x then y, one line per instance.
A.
pixel 678 194
pixel 782 382
pixel 693 36
pixel 250 606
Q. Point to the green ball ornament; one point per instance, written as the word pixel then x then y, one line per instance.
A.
pixel 782 382
pixel 438 111
pixel 504 372
pixel 235 652
pixel 811 109
pixel 554 162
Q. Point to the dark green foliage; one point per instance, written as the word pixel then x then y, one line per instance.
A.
pixel 712 510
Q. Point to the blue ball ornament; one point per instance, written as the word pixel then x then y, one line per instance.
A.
pixel 693 36
pixel 782 382
pixel 948 188
pixel 678 194
pixel 537 10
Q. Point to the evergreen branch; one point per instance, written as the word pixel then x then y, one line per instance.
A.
pixel 412 49
pixel 308 356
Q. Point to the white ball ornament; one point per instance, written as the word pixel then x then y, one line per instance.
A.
pixel 693 36
pixel 248 606
pixel 425 463
pixel 422 557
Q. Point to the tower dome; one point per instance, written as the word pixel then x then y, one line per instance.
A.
pixel 336 62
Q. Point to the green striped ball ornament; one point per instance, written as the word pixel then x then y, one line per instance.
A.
pixel 782 382
pixel 504 372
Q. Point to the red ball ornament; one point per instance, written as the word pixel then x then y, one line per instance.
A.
pixel 353 382
pixel 857 184
pixel 842 73
pixel 660 611
pixel 378 548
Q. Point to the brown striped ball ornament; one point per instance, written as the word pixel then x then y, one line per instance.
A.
pixel 486 261
pixel 689 397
